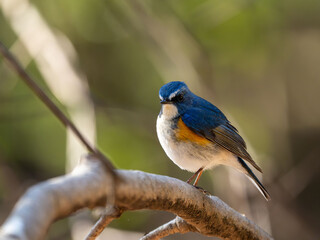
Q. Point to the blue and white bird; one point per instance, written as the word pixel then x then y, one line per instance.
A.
pixel 197 136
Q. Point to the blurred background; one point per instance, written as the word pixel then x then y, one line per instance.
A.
pixel 103 62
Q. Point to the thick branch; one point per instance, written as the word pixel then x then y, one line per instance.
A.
pixel 88 185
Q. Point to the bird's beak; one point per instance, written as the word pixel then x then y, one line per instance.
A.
pixel 164 101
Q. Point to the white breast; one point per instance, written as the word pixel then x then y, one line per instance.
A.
pixel 181 153
pixel 165 135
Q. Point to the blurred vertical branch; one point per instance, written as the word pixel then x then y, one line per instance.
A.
pixel 172 49
pixel 54 61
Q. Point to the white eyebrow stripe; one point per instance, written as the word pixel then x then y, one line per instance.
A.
pixel 172 95
pixel 161 98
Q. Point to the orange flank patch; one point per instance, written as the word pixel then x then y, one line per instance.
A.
pixel 186 134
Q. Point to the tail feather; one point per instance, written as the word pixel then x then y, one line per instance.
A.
pixel 255 180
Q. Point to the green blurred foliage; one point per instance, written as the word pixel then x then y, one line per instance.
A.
pixel 256 60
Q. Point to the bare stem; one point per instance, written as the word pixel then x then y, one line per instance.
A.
pixel 177 225
pixel 52 106
pixel 110 214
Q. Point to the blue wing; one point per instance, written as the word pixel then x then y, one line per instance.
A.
pixel 202 120
pixel 211 123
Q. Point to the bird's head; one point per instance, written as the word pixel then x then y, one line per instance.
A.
pixel 174 97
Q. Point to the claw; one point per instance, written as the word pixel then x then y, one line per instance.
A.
pixel 202 190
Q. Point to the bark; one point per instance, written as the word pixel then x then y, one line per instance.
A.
pixel 88 187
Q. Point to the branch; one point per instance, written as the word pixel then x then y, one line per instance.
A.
pixel 177 225
pixel 110 214
pixel 88 185
pixel 14 63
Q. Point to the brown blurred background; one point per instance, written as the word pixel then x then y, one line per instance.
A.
pixel 104 61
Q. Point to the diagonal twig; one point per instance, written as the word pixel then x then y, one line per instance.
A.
pixel 107 217
pixel 177 225
pixel 52 106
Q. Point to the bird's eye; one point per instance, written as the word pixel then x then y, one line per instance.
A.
pixel 179 98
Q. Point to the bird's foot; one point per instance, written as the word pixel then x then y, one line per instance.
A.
pixel 202 190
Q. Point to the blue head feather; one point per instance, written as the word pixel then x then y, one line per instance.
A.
pixel 179 94
pixel 172 87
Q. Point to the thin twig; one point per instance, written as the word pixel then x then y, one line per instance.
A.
pixel 110 214
pixel 52 106
pixel 177 225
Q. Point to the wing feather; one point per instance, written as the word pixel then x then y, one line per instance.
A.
pixel 233 142
pixel 215 127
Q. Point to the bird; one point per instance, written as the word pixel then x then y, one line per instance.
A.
pixel 197 136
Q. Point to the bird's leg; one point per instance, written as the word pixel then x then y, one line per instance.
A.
pixel 197 173
pixel 191 178
pixel 200 171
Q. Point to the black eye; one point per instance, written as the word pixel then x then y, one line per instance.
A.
pixel 179 98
